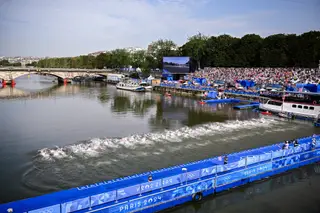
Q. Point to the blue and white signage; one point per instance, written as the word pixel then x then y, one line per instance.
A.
pixel 149 186
pixel 103 198
pixel 151 200
pixel 128 191
pixel 208 171
pixel 169 181
pixel 75 205
pixel 190 175
pixel 239 175
pixel 49 209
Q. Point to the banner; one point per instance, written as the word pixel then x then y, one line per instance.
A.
pixel 208 171
pixel 173 180
pixel 103 198
pixel 245 173
pixel 151 200
pixel 75 205
pixel 51 209
pixel 149 186
pixel 253 159
pixel 265 157
pixel 190 176
pixel 128 192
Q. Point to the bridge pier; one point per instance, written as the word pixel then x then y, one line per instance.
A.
pixel 64 81
pixel 9 82
pixel 13 82
pixel 4 83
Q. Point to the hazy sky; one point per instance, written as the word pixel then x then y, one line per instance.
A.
pixel 74 27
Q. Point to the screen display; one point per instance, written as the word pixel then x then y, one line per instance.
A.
pixel 176 65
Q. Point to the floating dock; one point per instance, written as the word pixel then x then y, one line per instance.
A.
pixel 228 100
pixel 247 106
pixel 175 185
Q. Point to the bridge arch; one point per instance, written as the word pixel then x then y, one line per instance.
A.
pixel 20 74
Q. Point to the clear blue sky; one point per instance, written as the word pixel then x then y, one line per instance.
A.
pixel 74 27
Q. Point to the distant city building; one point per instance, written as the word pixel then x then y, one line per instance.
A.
pixel 95 54
pixel 133 49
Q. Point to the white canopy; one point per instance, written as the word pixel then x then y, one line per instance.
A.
pixel 150 77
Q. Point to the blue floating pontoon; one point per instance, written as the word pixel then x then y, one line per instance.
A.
pixel 252 105
pixel 175 185
pixel 229 100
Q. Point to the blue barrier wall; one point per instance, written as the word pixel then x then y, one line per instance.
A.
pixel 171 185
pixel 204 88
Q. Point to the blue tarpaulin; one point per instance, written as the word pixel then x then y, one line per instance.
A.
pixel 201 81
pixel 212 94
pixel 274 85
pixel 219 82
pixel 290 89
pixel 166 73
pixel 246 83
pixel 311 87
pixel 308 87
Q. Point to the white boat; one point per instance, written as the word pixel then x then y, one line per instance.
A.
pixel 147 86
pixel 306 106
pixel 285 115
pixel 130 86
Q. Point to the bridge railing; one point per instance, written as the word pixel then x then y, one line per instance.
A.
pixel 217 175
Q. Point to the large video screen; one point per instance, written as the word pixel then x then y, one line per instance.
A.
pixel 176 65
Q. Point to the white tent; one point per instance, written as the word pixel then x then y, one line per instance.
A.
pixel 150 78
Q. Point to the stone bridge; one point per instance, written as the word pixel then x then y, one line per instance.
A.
pixel 8 75
pixel 12 92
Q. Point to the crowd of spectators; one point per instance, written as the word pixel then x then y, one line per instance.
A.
pixel 282 76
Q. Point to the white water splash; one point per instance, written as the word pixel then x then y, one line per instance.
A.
pixel 96 147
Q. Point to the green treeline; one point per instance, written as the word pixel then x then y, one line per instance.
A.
pixel 6 63
pixel 251 50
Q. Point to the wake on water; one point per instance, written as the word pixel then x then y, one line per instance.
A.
pixel 102 146
pixel 106 158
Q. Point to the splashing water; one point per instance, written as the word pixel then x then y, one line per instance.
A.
pixel 98 146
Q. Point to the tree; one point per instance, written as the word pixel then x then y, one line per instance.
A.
pixel 221 51
pixel 101 60
pixel 120 58
pixel 248 51
pixel 195 48
pixel 274 51
pixel 225 51
pixel 138 59
pixel 161 48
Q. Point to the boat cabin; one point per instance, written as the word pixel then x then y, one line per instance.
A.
pixel 301 104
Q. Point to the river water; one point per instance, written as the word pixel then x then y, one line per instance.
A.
pixel 56 137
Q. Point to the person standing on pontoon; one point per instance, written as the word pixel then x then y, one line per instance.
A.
pixel 313 142
pixel 285 145
pixel 225 160
pixel 295 143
